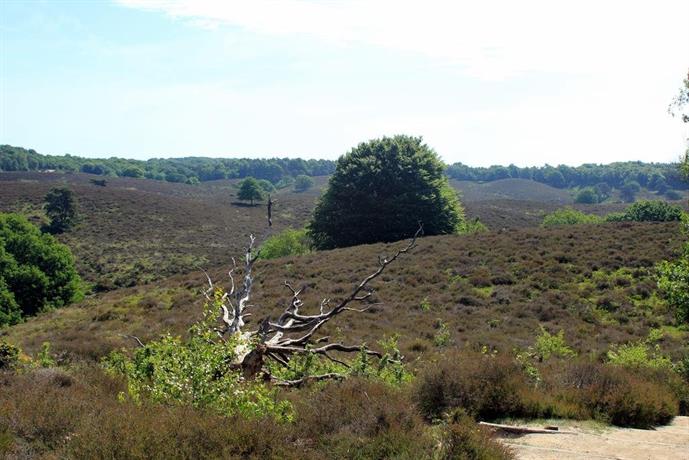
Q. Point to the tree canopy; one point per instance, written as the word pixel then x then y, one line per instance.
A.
pixel 36 272
pixel 250 190
pixel 61 208
pixel 381 190
pixel 189 170
pixel 302 183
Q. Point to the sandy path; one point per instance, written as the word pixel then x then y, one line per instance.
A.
pixel 669 442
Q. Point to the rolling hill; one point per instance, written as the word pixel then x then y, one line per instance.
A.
pixel 594 282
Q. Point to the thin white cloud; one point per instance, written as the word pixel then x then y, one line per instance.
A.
pixel 490 39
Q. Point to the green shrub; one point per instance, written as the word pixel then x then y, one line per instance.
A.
pixel 195 372
pixel 616 217
pixel 473 226
pixel 266 185
pixel 45 358
pixel 586 196
pixel 653 211
pixel 442 336
pixel 289 242
pixel 569 216
pixel 548 345
pixel 9 355
pixel 302 183
pixel 639 354
pixel 673 283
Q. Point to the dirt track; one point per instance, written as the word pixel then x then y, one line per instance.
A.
pixel 669 442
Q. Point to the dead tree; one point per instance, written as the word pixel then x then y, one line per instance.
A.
pixel 294 332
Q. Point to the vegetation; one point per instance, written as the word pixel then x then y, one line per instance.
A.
pixel 587 196
pixel 614 175
pixel 653 211
pixel 189 170
pixel 465 312
pixel 380 191
pixel 36 272
pixel 302 183
pixel 9 356
pixel 569 216
pixel 61 208
pixel 195 372
pixel 673 282
pixel 250 190
pixel 490 386
pixel 289 242
pixel 629 190
pixel 642 211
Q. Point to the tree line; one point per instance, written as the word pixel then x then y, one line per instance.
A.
pixel 188 170
pixel 654 176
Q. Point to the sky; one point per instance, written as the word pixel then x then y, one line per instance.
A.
pixel 483 82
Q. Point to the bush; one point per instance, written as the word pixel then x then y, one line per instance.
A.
pixel 548 345
pixel 495 386
pixel 9 355
pixel 638 355
pixel 288 242
pixel 195 372
pixel 473 226
pixel 620 396
pixel 653 211
pixel 569 216
pixel 629 190
pixel 302 183
pixel 485 386
pixel 132 172
pixel 266 186
pixel 673 283
pixel 462 438
pixel 36 272
pixel 61 416
pixel 586 196
pixel 673 195
pixel 381 191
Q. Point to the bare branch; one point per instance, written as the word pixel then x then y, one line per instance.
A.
pixel 309 378
pixel 135 338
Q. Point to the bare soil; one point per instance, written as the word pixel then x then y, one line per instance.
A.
pixel 594 442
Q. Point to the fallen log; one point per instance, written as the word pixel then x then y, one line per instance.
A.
pixel 525 429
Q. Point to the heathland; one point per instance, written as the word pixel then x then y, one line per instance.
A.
pixel 514 321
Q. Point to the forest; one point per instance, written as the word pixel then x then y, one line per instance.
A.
pixel 654 176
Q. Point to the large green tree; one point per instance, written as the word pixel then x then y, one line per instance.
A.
pixel 61 208
pixel 381 190
pixel 36 272
pixel 250 190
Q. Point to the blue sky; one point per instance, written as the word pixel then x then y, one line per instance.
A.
pixel 492 82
